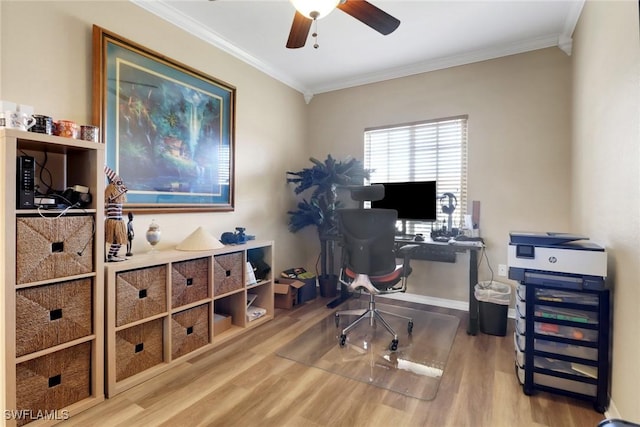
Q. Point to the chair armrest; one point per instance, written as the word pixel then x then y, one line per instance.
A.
pixel 405 252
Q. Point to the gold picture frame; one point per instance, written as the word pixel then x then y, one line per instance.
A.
pixel 169 129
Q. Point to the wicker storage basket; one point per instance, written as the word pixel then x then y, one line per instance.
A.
pixel 189 330
pixel 140 293
pixel 54 381
pixel 48 248
pixel 227 271
pixel 189 281
pixel 138 348
pixel 52 314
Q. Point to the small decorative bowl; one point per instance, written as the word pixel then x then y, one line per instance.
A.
pixel 67 128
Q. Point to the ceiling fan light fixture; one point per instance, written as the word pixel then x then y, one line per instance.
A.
pixel 315 9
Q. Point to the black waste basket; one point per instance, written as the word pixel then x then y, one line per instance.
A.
pixel 493 305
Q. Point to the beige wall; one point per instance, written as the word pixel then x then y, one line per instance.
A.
pixel 606 164
pixel 55 76
pixel 517 107
pixel 519 145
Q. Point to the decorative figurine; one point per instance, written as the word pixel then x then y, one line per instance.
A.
pixel 236 238
pixel 153 235
pixel 130 234
pixel 115 230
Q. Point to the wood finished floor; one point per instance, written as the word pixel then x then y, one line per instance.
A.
pixel 244 383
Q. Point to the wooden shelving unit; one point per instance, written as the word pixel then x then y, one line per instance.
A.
pixel 51 332
pixel 161 306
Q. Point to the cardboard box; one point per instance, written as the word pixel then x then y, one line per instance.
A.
pixel 221 322
pixel 286 292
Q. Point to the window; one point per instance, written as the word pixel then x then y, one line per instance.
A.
pixel 430 150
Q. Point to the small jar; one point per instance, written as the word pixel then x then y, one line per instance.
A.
pixel 67 129
pixel 153 234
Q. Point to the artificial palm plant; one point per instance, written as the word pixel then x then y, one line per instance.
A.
pixel 320 209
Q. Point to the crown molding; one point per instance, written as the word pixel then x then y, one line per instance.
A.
pixel 179 19
pixel 442 63
pixel 563 41
pixel 572 18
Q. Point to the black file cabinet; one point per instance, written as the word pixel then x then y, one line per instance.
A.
pixel 563 339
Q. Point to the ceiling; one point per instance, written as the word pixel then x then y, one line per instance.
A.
pixel 433 34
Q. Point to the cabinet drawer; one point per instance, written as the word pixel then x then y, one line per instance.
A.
pixel 519 341
pixel 520 323
pixel 54 381
pixel 519 358
pixel 189 330
pixel 521 306
pixel 589 353
pixel 564 384
pixel 228 271
pixel 520 319
pixel 565 367
pixel 561 313
pixel 519 373
pixel 566 296
pixel 48 248
pixel 52 314
pixel 138 348
pixel 140 293
pixel 189 281
pixel 570 332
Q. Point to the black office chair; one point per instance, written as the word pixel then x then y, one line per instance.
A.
pixel 369 263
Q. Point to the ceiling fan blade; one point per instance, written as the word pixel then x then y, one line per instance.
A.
pixel 369 14
pixel 299 31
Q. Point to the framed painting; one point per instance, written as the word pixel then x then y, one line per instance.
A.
pixel 168 129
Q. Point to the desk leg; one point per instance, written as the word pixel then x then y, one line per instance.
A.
pixel 344 295
pixel 472 327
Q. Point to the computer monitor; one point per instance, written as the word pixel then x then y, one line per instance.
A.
pixel 414 201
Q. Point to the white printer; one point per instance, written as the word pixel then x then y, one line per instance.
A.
pixel 559 258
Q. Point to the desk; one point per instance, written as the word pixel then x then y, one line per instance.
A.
pixel 446 252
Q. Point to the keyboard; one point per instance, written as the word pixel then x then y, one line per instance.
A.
pixel 463 238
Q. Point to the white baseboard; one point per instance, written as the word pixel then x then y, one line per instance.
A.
pixel 438 302
pixel 612 412
pixel 423 299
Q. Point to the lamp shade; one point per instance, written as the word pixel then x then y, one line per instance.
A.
pixel 199 240
pixel 315 9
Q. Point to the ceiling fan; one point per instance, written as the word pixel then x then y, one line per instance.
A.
pixel 308 11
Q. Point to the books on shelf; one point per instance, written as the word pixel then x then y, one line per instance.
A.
pixel 296 273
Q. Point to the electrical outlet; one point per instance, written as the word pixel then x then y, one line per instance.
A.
pixel 502 270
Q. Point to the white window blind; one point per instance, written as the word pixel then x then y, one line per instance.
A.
pixel 424 151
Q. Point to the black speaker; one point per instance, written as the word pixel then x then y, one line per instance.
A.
pixel 25 180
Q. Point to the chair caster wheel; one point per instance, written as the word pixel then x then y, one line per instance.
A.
pixel 337 318
pixel 343 340
pixel 394 345
pixel 410 327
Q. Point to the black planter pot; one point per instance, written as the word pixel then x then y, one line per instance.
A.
pixel 328 285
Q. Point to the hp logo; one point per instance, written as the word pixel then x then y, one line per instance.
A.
pixel 553 259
